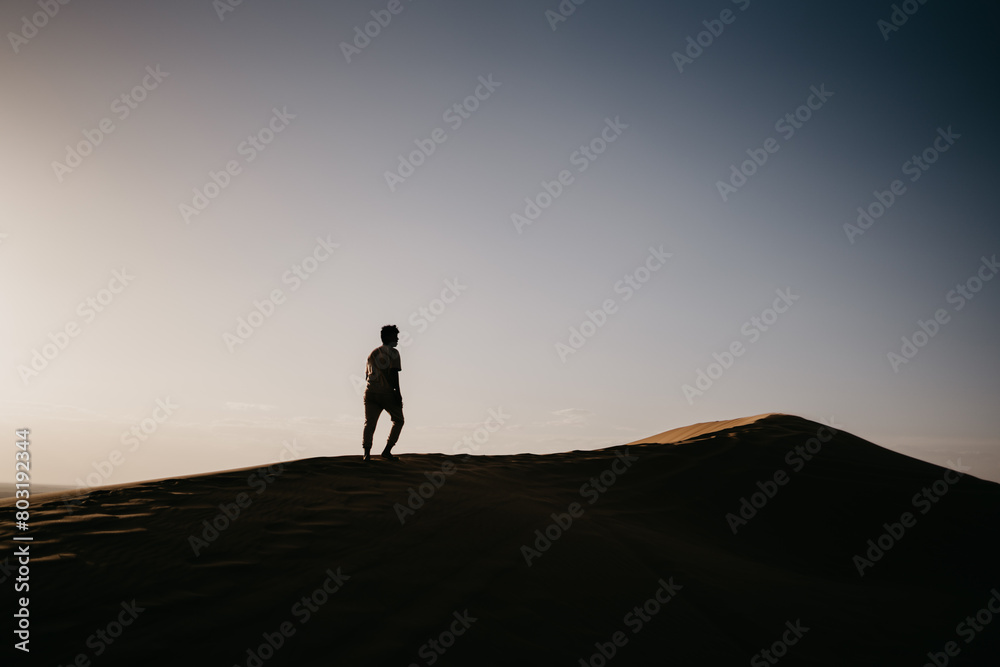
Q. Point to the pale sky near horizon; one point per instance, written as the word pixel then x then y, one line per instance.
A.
pixel 176 165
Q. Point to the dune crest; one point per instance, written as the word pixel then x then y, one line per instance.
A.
pixel 716 551
pixel 694 430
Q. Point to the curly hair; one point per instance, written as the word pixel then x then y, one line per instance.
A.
pixel 387 331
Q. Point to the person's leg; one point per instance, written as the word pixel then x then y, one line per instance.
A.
pixel 373 409
pixel 395 410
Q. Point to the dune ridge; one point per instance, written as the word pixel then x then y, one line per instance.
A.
pixel 694 430
pixel 528 559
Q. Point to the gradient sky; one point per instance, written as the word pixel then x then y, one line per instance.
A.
pixel 289 389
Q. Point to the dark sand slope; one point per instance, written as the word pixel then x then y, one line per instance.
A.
pixel 458 565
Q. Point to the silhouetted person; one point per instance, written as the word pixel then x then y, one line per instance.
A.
pixel 382 392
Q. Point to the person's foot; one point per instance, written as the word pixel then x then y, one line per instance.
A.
pixel 390 457
pixel 367 456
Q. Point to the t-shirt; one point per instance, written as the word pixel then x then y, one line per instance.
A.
pixel 382 359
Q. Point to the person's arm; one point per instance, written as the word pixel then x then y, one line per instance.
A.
pixel 394 377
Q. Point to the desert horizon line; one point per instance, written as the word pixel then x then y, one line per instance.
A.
pixel 674 436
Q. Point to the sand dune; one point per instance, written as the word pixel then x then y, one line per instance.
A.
pixel 694 430
pixel 633 555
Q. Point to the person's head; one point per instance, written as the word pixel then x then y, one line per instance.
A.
pixel 390 335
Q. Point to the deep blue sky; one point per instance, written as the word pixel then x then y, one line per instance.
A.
pixel 496 346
